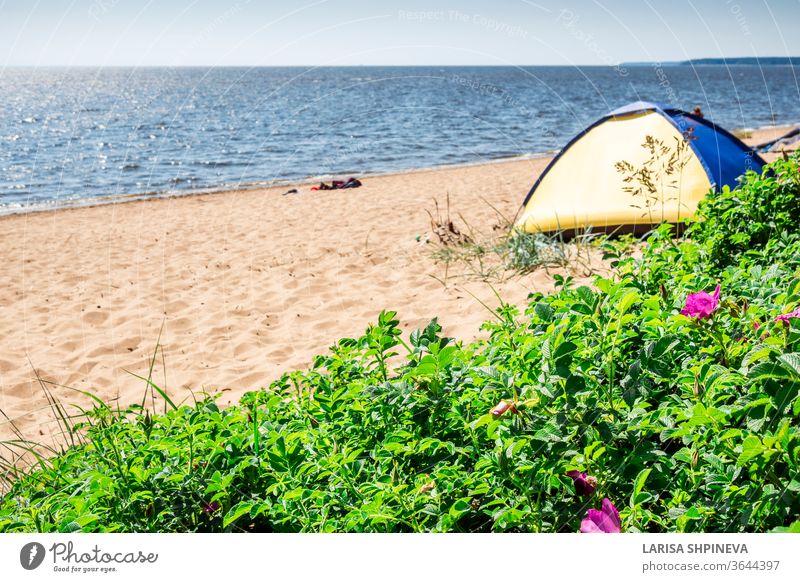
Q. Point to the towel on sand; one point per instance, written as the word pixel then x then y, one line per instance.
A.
pixel 338 184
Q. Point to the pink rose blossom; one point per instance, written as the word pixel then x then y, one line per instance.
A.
pixel 701 305
pixel 787 316
pixel 584 484
pixel 604 520
pixel 211 507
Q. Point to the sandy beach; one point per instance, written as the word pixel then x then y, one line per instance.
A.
pixel 247 284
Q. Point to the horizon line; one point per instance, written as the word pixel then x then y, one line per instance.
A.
pixel 687 62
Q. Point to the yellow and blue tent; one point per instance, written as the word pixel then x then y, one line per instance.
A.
pixel 593 182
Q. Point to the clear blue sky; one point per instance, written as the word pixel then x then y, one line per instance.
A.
pixel 360 32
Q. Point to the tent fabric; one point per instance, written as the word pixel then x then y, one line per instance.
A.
pixel 582 188
pixel 725 157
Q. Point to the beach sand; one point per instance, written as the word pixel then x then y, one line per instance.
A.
pixel 247 284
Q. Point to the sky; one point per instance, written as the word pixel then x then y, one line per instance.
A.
pixel 412 32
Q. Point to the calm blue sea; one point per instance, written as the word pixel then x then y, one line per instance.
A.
pixel 76 134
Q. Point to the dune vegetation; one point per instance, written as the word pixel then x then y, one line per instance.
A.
pixel 663 398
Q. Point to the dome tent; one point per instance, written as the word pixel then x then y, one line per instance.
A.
pixel 638 166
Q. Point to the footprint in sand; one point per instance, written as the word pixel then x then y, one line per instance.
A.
pixel 95 318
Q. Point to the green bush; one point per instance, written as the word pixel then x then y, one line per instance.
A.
pixel 738 223
pixel 686 424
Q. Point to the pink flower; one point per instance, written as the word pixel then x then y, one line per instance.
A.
pixel 584 484
pixel 211 507
pixel 787 316
pixel 503 407
pixel 604 520
pixel 701 305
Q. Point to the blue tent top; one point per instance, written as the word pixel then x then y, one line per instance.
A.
pixel 723 156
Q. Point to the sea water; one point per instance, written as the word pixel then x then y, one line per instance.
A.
pixel 89 134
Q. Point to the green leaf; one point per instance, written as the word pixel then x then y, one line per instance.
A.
pixel 794 528
pixel 767 370
pixel 236 512
pixel 751 448
pixel 586 294
pixel 70 527
pixel 544 311
pixel 564 350
pixel 693 513
pixel 792 362
pixel 758 353
pixel 460 507
pixel 548 433
pixel 627 301
pixel 446 356
pixel 481 421
pixel 638 485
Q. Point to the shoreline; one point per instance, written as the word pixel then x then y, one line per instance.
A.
pixel 90 202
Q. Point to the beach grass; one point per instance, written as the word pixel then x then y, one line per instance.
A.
pixel 501 251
